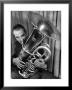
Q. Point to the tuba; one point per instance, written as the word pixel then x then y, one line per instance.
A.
pixel 39 52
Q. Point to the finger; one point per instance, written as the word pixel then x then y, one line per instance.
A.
pixel 18 66
pixel 37 64
pixel 22 66
pixel 22 62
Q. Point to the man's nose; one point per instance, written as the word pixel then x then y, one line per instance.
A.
pixel 20 38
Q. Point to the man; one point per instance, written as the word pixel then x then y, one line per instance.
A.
pixel 20 35
pixel 19 56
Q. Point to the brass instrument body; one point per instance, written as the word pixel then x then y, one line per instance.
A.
pixel 36 52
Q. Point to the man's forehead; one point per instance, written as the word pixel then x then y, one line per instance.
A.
pixel 18 32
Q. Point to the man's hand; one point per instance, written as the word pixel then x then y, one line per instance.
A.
pixel 40 63
pixel 20 64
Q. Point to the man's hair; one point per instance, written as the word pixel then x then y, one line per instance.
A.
pixel 17 27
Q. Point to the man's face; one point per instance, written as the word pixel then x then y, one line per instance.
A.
pixel 19 35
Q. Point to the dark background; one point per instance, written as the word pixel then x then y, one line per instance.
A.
pixel 1 34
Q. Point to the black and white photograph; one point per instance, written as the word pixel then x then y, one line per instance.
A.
pixel 35 37
pixel 35 44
